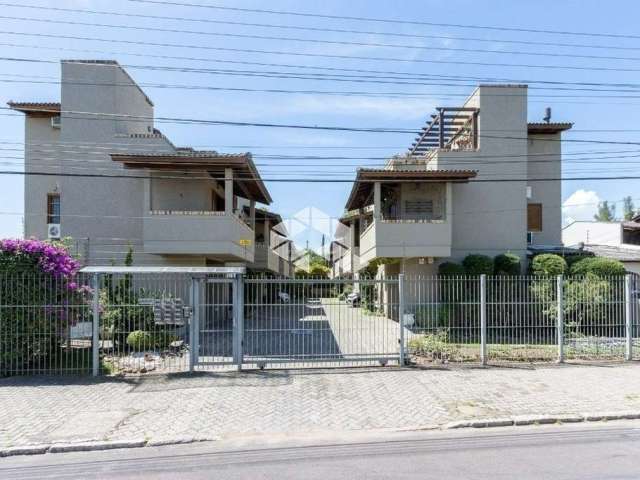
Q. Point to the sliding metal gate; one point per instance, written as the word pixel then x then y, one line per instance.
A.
pixel 314 322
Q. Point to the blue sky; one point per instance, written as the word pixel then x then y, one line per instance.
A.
pixel 587 112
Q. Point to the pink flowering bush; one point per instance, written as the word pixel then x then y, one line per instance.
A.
pixel 16 255
pixel 39 286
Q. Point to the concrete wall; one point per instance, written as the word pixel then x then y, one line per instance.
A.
pixel 40 156
pixel 105 214
pixel 198 235
pixel 176 194
pixel 594 233
pixel 436 192
pixel 544 161
pixel 490 217
pixel 107 211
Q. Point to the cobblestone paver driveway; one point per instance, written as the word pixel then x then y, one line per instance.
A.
pixel 42 410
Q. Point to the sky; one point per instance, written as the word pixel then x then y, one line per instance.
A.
pixel 399 101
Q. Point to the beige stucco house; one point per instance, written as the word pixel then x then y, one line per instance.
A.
pixel 100 172
pixel 479 178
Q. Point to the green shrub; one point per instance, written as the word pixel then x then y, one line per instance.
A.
pixel 602 267
pixel 450 269
pixel 548 264
pixel 507 264
pixel 140 340
pixel 162 340
pixel 436 346
pixel 478 265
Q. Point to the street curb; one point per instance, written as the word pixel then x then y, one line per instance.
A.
pixel 95 446
pixel 523 420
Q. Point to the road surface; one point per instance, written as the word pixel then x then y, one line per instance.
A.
pixel 587 451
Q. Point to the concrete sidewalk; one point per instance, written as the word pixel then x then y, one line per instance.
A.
pixel 157 409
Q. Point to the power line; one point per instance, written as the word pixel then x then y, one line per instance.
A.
pixel 125 117
pixel 464 212
pixel 392 21
pixel 63 157
pixel 131 147
pixel 316 55
pixel 311 76
pixel 318 180
pixel 347 93
pixel 314 29
pixel 402 74
pixel 319 41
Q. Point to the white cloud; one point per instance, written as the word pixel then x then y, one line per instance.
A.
pixel 581 205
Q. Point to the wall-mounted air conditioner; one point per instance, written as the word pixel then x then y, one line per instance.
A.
pixel 53 231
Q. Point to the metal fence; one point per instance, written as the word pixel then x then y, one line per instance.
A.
pixel 132 322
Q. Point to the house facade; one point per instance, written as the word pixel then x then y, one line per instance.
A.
pixel 616 240
pixel 478 179
pixel 98 171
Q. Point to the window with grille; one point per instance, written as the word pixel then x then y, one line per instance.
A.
pixel 53 208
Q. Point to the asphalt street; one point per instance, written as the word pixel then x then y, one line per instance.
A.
pixel 586 451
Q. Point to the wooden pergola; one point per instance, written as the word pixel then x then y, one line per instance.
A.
pixel 444 126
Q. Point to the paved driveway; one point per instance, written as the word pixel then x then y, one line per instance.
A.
pixel 316 330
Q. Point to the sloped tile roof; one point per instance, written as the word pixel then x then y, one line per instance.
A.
pixel 46 109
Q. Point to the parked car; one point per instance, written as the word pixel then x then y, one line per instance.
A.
pixel 353 299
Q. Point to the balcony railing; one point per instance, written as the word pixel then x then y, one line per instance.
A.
pixel 412 219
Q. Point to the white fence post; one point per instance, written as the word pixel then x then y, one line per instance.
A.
pixel 628 318
pixel 194 324
pixel 483 319
pixel 401 317
pixel 560 317
pixel 95 330
pixel 239 317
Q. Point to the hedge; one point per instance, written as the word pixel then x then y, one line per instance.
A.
pixel 450 269
pixel 507 264
pixel 548 264
pixel 603 267
pixel 478 264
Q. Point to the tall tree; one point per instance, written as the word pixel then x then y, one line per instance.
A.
pixel 628 208
pixel 606 212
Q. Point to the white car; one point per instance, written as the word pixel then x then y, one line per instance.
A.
pixel 353 299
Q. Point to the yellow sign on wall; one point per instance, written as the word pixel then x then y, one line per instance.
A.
pixel 245 242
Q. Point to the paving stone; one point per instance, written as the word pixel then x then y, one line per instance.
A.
pixel 47 410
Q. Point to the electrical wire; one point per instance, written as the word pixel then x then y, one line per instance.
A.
pixel 388 20
pixel 317 40
pixel 312 29
pixel 316 55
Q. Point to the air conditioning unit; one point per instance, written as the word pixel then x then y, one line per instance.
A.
pixel 55 121
pixel 53 231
